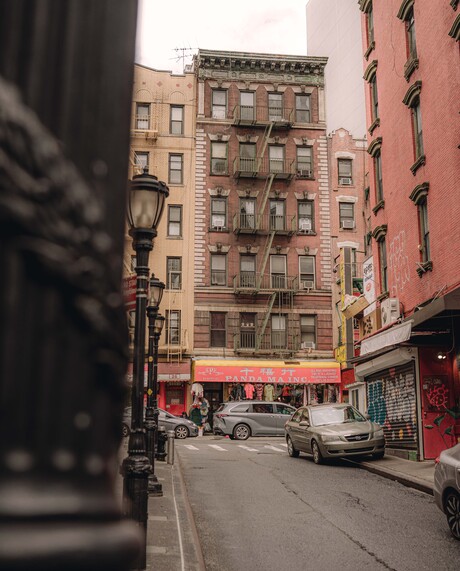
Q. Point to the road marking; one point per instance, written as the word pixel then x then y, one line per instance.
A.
pixel 283 444
pixel 247 448
pixel 217 447
pixel 273 448
pixel 190 447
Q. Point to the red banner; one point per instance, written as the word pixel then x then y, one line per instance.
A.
pixel 129 292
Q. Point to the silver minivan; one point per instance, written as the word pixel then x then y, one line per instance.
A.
pixel 242 419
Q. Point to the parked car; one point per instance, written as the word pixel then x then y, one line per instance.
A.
pixel 447 487
pixel 333 431
pixel 182 426
pixel 242 419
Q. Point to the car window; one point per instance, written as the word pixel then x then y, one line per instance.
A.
pixel 284 409
pixel 240 408
pixel 305 416
pixel 297 415
pixel 335 415
pixel 263 408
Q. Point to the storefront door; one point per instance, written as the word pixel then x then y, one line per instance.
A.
pixel 213 393
pixel 175 398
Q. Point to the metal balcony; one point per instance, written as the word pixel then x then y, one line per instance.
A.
pixel 261 116
pixel 254 283
pixel 263 224
pixel 270 343
pixel 282 169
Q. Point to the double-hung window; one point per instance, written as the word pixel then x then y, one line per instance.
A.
pixel 424 231
pixel 417 127
pixel 174 273
pixel 308 331
pixel 305 216
pixel 383 265
pixel 278 271
pixel 176 168
pixel 247 105
pixel 276 158
pixel 304 162
pixel 174 220
pixel 219 104
pixel 302 109
pixel 219 158
pixel 378 176
pixel 247 213
pixel 370 25
pixel 173 325
pixel 218 269
pixel 248 158
pixel 307 272
pixel 374 98
pixel 278 326
pixel 218 329
pixel 248 330
pixel 347 215
pixel 142 161
pixel 143 116
pixel 275 106
pixel 176 122
pixel 345 170
pixel 277 215
pixel 218 213
pixel 247 271
pixel 410 34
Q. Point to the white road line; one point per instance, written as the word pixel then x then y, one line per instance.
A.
pixel 179 531
pixel 217 447
pixel 191 447
pixel 283 444
pixel 247 448
pixel 274 448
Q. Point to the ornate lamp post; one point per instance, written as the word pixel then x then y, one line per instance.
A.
pixel 146 202
pixel 151 412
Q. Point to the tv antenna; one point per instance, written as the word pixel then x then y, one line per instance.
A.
pixel 184 53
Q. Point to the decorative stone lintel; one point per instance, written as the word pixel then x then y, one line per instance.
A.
pixel 248 193
pixel 374 125
pixel 423 267
pixel 410 66
pixel 380 204
pixel 218 137
pixel 379 232
pixel 305 195
pixel 371 70
pixel 412 93
pixel 218 249
pixel 218 192
pixel 418 163
pixel 454 32
pixel 420 192
pixel 374 146
pixel 250 250
pixel 365 5
pixel 404 9
pixel 369 50
pixel 280 251
pixel 247 138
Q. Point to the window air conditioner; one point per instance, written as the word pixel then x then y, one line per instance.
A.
pixel 347 180
pixel 218 222
pixel 307 284
pixel 305 173
pixel 348 224
pixel 219 167
pixel 304 225
pixel 307 345
pixel 389 310
pixel 151 134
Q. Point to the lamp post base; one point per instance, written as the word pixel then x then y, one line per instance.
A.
pixel 154 487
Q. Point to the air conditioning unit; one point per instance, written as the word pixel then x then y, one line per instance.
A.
pixel 346 180
pixel 305 173
pixel 219 167
pixel 348 224
pixel 218 222
pixel 151 134
pixel 304 225
pixel 389 309
pixel 308 345
pixel 307 284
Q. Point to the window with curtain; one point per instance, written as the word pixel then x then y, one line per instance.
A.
pixel 275 106
pixel 143 116
pixel 218 269
pixel 276 158
pixel 247 153
pixel 142 161
pixel 174 273
pixel 308 331
pixel 307 272
pixel 278 271
pixel 304 162
pixel 302 108
pixel 247 270
pixel 278 331
pixel 277 215
pixel 247 213
pixel 305 215
pixel 218 213
pixel 219 158
pixel 219 104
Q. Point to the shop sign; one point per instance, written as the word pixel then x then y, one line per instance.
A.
pixel 369 324
pixel 368 280
pixel 341 353
pixel 129 292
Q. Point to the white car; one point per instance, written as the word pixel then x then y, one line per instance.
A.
pixel 447 487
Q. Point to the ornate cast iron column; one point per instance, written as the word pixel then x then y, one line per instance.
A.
pixel 66 70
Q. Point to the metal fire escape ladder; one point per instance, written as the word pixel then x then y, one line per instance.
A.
pixel 263 204
pixel 267 133
pixel 175 298
pixel 268 245
pixel 263 325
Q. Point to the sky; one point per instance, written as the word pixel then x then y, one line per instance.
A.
pixel 264 26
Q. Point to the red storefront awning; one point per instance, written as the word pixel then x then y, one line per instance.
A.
pixel 277 372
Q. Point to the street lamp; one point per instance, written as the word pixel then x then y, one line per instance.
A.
pixel 146 200
pixel 151 412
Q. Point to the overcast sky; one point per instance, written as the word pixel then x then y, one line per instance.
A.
pixel 266 26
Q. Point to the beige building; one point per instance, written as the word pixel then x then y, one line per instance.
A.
pixel 163 141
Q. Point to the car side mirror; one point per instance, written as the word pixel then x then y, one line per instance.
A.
pixel 304 423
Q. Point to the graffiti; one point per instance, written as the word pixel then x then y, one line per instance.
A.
pixel 437 395
pixel 398 263
pixel 377 409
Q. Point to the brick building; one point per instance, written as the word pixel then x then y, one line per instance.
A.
pixel 410 345
pixel 262 231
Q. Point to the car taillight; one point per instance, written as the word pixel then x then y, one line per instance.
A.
pixel 221 415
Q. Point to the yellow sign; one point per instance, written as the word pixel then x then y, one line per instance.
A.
pixel 341 354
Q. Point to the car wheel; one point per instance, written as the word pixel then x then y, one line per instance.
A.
pixel 241 432
pixel 452 509
pixel 378 455
pixel 317 456
pixel 181 432
pixel 125 430
pixel 293 453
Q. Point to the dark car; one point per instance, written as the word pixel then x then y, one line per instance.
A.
pixel 333 431
pixel 242 419
pixel 182 426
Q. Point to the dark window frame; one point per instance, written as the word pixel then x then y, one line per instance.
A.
pixel 216 108
pixel 301 216
pixel 171 273
pixel 173 122
pixel 345 171
pixel 173 161
pixel 218 272
pixel 217 159
pixel 303 111
pixel 173 208
pixel 219 332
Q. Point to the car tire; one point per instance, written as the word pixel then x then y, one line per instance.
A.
pixel 452 511
pixel 125 430
pixel 293 452
pixel 317 456
pixel 241 432
pixel 378 455
pixel 181 432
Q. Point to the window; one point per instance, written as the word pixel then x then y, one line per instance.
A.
pixel 247 270
pixel 370 25
pixel 347 215
pixel 276 158
pixel 307 272
pixel 218 213
pixel 410 34
pixel 133 264
pixel 383 265
pixel 417 126
pixel 174 220
pixel 247 213
pixel 378 177
pixel 247 106
pixel 424 231
pixel 279 337
pixel 143 116
pixel 218 329
pixel 354 264
pixel 345 171
pixel 218 158
pixel 278 271
pixel 275 106
pixel 176 122
pixel 175 169
pixel 173 325
pixel 219 104
pixel 277 215
pixel 302 108
pixel 173 273
pixel 305 216
pixel 248 157
pixel 307 331
pixel 284 409
pixel 142 161
pixel 374 98
pixel 263 408
pixel 247 330
pixel 339 322
pixel 218 269
pixel 304 162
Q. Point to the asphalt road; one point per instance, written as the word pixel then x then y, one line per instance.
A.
pixel 258 509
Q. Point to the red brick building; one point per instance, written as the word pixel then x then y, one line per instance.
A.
pixel 262 235
pixel 410 350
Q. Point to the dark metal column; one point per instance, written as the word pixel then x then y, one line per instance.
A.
pixel 66 70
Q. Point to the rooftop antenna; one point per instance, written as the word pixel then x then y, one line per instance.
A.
pixel 183 54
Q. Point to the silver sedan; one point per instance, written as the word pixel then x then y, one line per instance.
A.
pixel 333 431
pixel 447 487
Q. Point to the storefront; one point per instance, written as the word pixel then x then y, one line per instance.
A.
pixel 302 382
